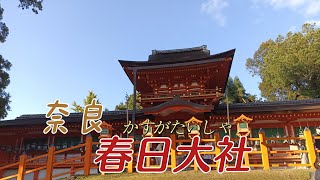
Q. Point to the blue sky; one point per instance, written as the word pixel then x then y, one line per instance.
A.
pixel 73 46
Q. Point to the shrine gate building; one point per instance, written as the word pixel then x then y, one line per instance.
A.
pixel 174 85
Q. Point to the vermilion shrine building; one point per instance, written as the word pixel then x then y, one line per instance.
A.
pixel 174 85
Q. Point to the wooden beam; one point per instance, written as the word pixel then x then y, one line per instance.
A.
pixel 50 162
pixel 87 156
pixel 22 166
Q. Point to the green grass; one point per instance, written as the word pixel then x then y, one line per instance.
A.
pixel 285 174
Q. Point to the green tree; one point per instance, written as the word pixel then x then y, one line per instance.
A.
pixel 79 108
pixel 5 65
pixel 237 93
pixel 289 66
pixel 129 99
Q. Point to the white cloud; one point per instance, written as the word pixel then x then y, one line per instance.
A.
pixel 306 7
pixel 316 22
pixel 313 8
pixel 214 8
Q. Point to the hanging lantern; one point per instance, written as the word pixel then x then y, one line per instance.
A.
pixel 95 147
pixel 23 148
pixel 33 146
pixel 106 131
pixel 147 126
pixel 28 147
pixel 318 131
pixel 193 127
pixel 9 149
pixel 39 147
pixel 301 134
pixel 65 145
pixel 58 146
pixel 81 142
pixel 71 143
pixel 44 147
pixel 243 125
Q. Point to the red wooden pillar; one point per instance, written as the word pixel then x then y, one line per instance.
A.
pixel 72 170
pixel 286 130
pixel 22 166
pixel 50 162
pixel 36 175
pixel 87 156
pixel 16 153
pixel 21 144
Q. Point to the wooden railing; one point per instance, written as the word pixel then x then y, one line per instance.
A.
pixel 49 162
pixel 265 157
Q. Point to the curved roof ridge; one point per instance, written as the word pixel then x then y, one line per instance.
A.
pixel 129 63
pixel 197 48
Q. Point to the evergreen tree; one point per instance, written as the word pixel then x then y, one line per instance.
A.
pixel 289 66
pixel 129 99
pixel 79 108
pixel 5 65
pixel 237 93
